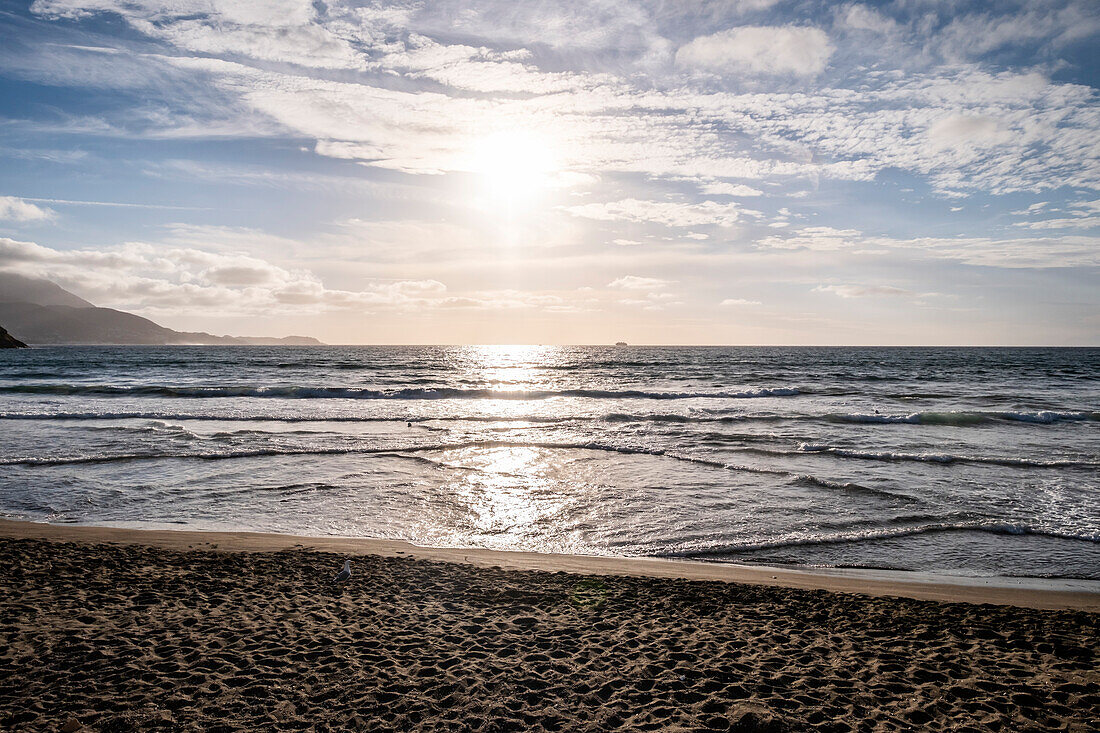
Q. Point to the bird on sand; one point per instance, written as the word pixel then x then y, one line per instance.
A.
pixel 343 574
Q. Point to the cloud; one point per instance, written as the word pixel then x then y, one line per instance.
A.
pixel 648 293
pixel 822 239
pixel 20 211
pixel 167 280
pixel 1080 222
pixel 289 31
pixel 862 291
pixel 1032 209
pixel 798 50
pixel 572 26
pixel 669 214
pixel 480 69
pixel 862 18
pixel 963 129
pixel 975 34
pixel 1008 252
pixel 1028 252
pixel 509 299
pixel 410 99
pixel 633 282
pixel 721 188
pixel 731 302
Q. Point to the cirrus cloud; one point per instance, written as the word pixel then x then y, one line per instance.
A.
pixel 798 50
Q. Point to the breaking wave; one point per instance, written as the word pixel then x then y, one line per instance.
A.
pixel 944 458
pixel 873 535
pixel 963 418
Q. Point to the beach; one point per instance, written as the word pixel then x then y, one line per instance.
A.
pixel 113 630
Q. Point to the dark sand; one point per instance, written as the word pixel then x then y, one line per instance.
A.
pixel 139 637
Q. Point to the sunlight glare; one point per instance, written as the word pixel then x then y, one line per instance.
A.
pixel 515 166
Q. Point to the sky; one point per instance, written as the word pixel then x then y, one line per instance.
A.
pixel 577 172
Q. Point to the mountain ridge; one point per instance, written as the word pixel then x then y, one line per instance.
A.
pixel 42 312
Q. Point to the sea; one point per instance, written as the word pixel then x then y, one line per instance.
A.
pixel 965 462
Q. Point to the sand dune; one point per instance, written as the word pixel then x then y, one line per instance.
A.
pixel 135 637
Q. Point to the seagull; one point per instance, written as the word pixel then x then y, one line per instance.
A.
pixel 343 574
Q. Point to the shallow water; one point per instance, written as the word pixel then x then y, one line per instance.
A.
pixel 964 461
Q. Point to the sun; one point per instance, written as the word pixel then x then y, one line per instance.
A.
pixel 515 167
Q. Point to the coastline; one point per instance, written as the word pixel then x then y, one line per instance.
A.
pixel 1023 592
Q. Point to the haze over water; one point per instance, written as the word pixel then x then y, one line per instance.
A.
pixel 961 461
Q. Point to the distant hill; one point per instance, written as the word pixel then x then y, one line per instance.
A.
pixel 41 312
pixel 7 341
pixel 19 289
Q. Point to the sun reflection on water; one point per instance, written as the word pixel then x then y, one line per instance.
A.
pixel 511 367
pixel 509 492
pixel 513 495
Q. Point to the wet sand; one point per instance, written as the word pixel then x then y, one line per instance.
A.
pixel 121 630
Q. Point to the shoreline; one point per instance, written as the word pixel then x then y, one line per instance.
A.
pixel 1020 592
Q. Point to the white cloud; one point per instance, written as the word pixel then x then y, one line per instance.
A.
pixel 633 282
pixel 1020 252
pixel 1033 208
pixel 975 34
pixel 721 188
pixel 731 302
pixel 562 302
pixel 798 50
pixel 964 129
pixel 940 126
pixel 961 127
pixel 863 18
pixel 20 211
pixel 1034 252
pixel 659 212
pixel 588 26
pixel 1080 222
pixel 480 70
pixel 861 291
pixel 287 31
pixel 648 293
pixel 165 280
pixel 822 239
pixel 1039 252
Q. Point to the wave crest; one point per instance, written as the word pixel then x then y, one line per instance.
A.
pixel 348 393
pixel 873 535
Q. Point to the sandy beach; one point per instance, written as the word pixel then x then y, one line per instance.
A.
pixel 114 630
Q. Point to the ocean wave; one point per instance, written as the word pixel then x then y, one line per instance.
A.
pixel 236 417
pixel 614 417
pixel 849 486
pixel 802 449
pixel 708 416
pixel 964 418
pixel 1048 416
pixel 387 450
pixel 881 533
pixel 945 458
pixel 440 393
